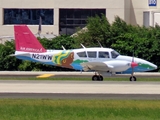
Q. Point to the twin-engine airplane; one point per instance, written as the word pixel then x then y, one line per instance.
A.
pixel 100 60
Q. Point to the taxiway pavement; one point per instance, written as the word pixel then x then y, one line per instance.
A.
pixel 79 89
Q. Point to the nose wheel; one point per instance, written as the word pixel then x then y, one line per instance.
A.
pixel 97 78
pixel 132 78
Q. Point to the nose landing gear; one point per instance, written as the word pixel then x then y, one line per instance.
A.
pixel 132 78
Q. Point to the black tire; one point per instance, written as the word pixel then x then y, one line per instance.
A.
pixel 100 78
pixel 132 78
pixel 95 78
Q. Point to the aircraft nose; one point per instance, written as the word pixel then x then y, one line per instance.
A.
pixel 150 66
pixel 154 66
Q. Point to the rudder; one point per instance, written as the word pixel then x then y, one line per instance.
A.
pixel 26 41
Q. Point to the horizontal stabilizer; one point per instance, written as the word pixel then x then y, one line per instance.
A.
pixel 22 54
pixel 12 55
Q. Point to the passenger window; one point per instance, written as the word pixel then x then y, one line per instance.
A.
pixel 92 54
pixel 103 55
pixel 82 54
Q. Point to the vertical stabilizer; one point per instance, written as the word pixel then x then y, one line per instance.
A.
pixel 26 41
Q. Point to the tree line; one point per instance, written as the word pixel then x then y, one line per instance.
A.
pixel 143 42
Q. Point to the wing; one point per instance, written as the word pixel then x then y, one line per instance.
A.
pixel 99 66
pixel 112 66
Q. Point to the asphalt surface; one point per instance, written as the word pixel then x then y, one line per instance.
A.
pixel 78 89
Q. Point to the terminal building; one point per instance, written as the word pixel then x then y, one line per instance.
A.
pixel 64 16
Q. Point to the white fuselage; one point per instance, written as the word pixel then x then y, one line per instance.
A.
pixel 100 59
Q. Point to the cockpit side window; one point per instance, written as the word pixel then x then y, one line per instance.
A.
pixel 114 54
pixel 92 54
pixel 103 55
pixel 82 54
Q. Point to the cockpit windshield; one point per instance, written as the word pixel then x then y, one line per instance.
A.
pixel 114 54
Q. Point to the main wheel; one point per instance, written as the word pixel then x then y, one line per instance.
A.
pixel 100 78
pixel 95 78
pixel 132 78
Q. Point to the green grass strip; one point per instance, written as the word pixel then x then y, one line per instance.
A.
pixel 32 109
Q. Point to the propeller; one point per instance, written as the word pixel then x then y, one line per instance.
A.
pixel 133 64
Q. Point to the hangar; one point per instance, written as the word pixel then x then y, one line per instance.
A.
pixel 64 16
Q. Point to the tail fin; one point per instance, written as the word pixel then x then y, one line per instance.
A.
pixel 26 41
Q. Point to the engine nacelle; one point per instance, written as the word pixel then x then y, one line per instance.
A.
pixel 118 65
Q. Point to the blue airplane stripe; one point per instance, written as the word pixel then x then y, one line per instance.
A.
pixel 76 66
pixel 136 69
pixel 33 60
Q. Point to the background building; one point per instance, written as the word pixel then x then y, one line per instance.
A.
pixel 64 16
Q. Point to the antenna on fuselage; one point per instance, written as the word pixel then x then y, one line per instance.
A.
pixel 100 44
pixel 85 49
pixel 83 46
pixel 63 47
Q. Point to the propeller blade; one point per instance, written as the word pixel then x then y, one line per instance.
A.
pixel 133 64
pixel 132 71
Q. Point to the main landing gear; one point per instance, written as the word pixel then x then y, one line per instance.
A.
pixel 97 77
